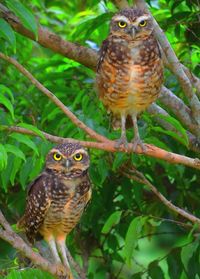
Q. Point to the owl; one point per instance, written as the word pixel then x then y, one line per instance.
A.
pixel 130 69
pixel 57 197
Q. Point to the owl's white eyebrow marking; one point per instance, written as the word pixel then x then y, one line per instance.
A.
pixel 82 151
pixel 121 18
pixel 54 150
pixel 141 18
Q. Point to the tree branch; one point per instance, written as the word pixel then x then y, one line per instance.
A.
pixel 81 54
pixel 178 107
pixel 18 243
pixel 175 65
pixel 138 176
pixel 54 99
pixel 110 146
pixel 155 110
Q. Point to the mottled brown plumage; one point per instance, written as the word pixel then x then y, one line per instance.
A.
pixel 57 197
pixel 130 70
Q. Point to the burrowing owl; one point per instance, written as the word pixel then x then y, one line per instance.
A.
pixel 130 70
pixel 57 197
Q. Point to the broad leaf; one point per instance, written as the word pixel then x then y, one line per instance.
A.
pixel 7 33
pixel 24 14
pixel 15 150
pixel 112 221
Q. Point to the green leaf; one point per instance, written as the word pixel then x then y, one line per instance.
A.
pixel 33 129
pixel 15 168
pixel 3 157
pixel 7 104
pixel 24 14
pixel 103 170
pixel 177 125
pixel 112 221
pixel 132 235
pixel 187 252
pixel 29 273
pixel 174 264
pixel 26 140
pixel 7 33
pixel 170 133
pixel 120 158
pixel 155 271
pixel 25 172
pixel 15 150
pixel 5 90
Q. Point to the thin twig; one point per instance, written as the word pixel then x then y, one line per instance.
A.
pixel 54 99
pixel 138 176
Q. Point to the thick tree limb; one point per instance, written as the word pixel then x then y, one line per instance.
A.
pixel 178 107
pixel 81 54
pixel 134 174
pixel 7 234
pixel 110 146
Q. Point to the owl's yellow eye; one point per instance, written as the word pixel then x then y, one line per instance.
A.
pixel 78 157
pixel 57 156
pixel 122 24
pixel 143 23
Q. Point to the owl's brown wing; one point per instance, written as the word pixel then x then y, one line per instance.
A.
pixel 37 204
pixel 102 53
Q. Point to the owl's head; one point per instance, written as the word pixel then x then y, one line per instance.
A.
pixel 132 24
pixel 69 159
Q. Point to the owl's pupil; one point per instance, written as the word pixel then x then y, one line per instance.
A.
pixel 122 24
pixel 78 156
pixel 57 156
pixel 143 23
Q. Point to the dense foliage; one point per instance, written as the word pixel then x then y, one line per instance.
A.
pixel 126 232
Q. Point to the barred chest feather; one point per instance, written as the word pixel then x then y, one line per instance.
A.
pixel 129 76
pixel 68 200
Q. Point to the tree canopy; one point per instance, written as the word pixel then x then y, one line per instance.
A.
pixel 143 219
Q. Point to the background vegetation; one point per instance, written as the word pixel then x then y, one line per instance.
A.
pixel 126 232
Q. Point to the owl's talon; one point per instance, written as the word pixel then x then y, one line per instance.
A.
pixel 63 271
pixel 137 141
pixel 122 142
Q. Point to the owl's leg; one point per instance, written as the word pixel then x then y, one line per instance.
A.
pixel 136 140
pixel 60 241
pixel 122 140
pixel 53 248
pixel 61 248
pixel 60 268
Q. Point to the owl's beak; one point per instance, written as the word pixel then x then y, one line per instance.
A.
pixel 133 31
pixel 68 163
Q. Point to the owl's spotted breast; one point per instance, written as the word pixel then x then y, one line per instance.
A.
pixel 129 71
pixel 129 78
pixel 57 197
